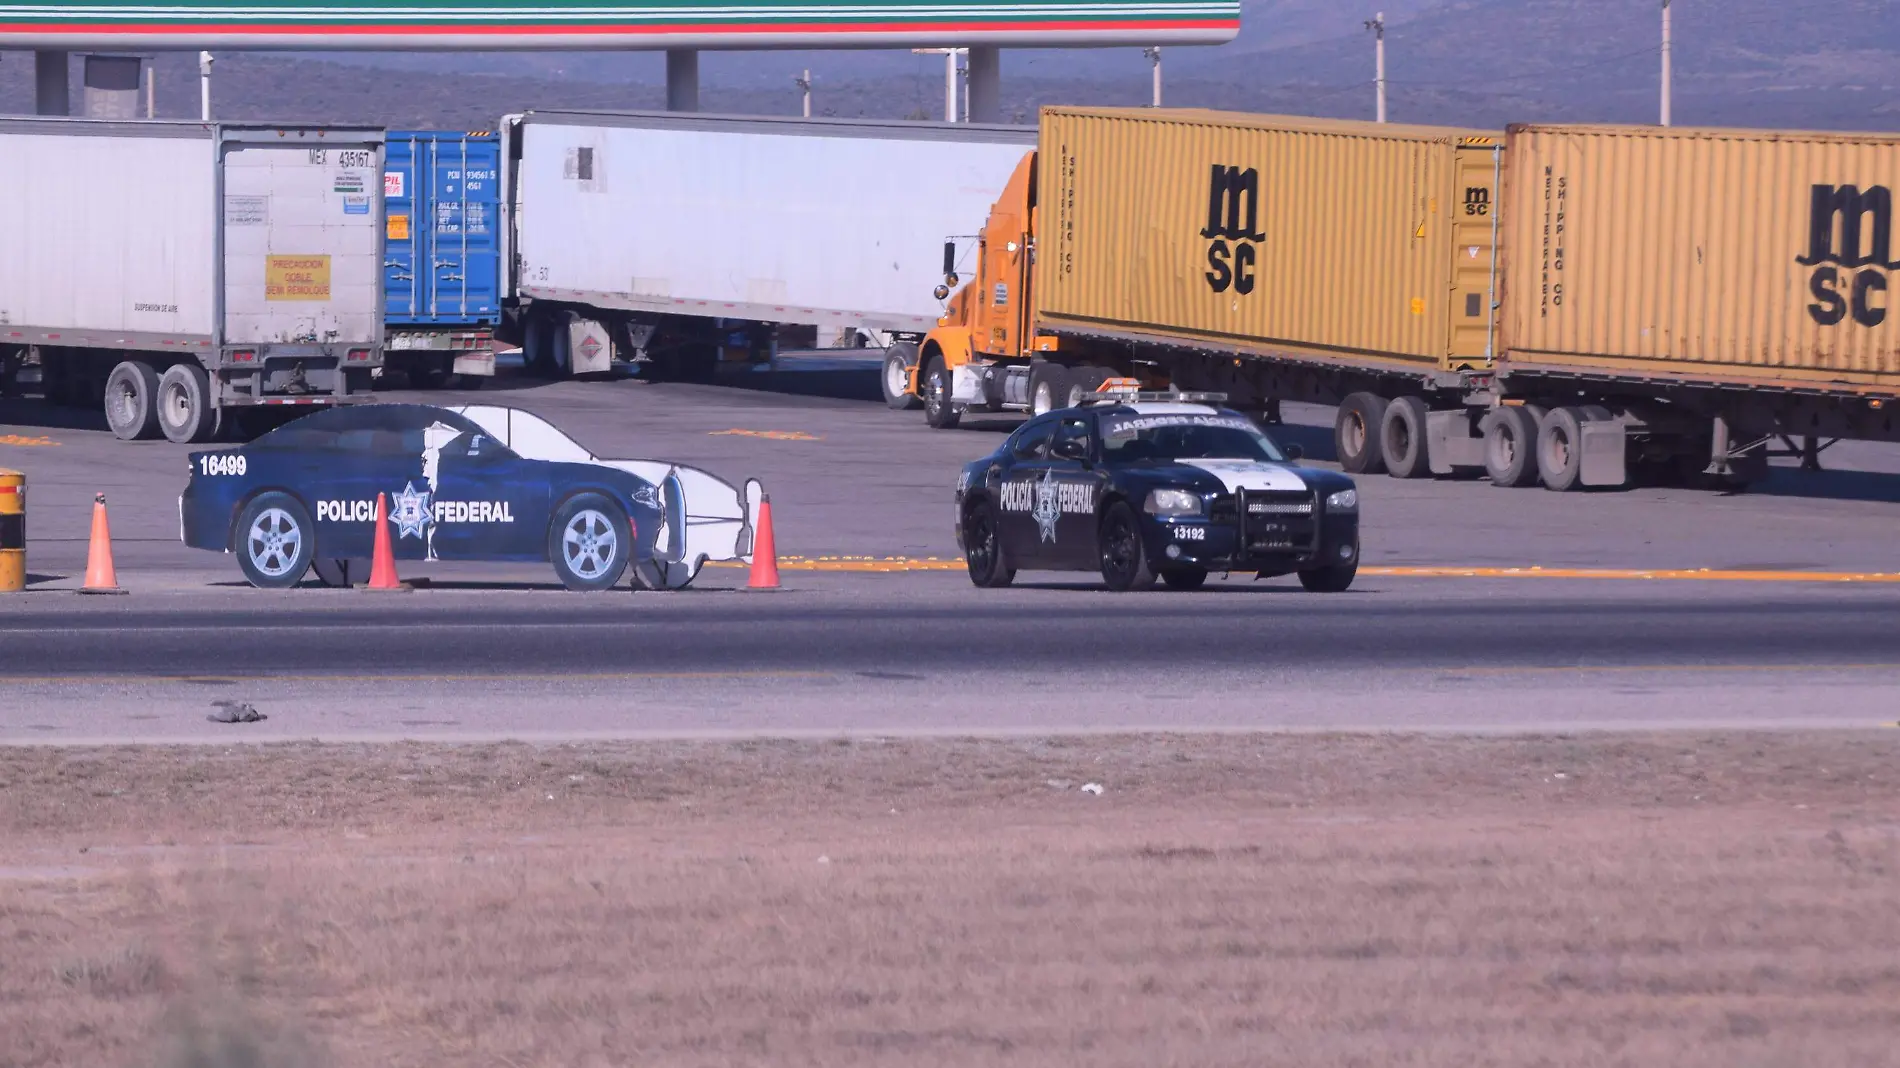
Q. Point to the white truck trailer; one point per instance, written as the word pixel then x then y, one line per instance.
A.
pixel 680 240
pixel 179 272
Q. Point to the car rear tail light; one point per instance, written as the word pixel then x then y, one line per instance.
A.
pixel 358 355
pixel 244 356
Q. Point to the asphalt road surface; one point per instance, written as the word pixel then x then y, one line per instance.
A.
pixel 849 477
pixel 928 653
pixel 495 652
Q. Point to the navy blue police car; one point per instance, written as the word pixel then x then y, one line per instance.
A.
pixel 477 482
pixel 1146 486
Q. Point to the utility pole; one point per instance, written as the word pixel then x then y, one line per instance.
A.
pixel 1377 25
pixel 204 86
pixel 1668 65
pixel 804 83
pixel 1154 56
pixel 949 77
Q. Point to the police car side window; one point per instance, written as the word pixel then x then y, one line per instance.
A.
pixel 1032 441
pixel 1074 428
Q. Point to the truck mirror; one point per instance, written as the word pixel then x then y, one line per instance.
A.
pixel 950 259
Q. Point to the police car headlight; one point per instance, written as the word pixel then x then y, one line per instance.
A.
pixel 1346 500
pixel 1173 502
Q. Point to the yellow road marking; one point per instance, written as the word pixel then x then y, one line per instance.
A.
pixel 769 435
pixel 883 564
pixel 1702 574
pixel 26 441
pixel 236 677
pixel 1624 669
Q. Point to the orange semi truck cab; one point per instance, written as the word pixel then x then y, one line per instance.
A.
pixel 986 353
pixel 990 323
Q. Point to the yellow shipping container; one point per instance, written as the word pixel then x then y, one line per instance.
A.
pixel 1720 255
pixel 1367 242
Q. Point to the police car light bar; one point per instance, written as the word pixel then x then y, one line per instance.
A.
pixel 1127 391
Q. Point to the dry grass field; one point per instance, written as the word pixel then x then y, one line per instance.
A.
pixel 1263 900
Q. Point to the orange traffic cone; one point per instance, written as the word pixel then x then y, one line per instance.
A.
pixel 100 576
pixel 382 565
pixel 764 551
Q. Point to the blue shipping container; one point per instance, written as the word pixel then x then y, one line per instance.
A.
pixel 442 199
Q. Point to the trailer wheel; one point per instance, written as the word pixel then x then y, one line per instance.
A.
pixel 939 410
pixel 470 382
pixel 1356 433
pixel 1402 439
pixel 1510 446
pixel 428 377
pixel 1560 445
pixel 1048 387
pixel 1083 381
pixel 131 401
pixel 184 404
pixel 898 360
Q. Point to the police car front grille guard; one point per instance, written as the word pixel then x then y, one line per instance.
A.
pixel 1288 507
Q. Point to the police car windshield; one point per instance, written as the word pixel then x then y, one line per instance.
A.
pixel 1135 437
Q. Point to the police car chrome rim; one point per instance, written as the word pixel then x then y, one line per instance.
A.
pixel 589 544
pixel 275 541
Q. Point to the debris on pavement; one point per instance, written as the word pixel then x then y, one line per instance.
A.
pixel 235 712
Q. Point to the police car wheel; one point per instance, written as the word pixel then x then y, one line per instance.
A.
pixel 1185 578
pixel 1335 579
pixel 1124 556
pixel 983 548
pixel 275 540
pixel 589 543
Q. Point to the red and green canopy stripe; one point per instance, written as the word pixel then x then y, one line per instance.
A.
pixel 360 24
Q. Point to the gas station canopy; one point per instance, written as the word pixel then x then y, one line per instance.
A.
pixel 472 25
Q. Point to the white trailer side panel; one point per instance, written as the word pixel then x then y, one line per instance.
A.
pixel 802 226
pixel 302 244
pixel 108 235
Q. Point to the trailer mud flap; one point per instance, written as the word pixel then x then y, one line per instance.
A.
pixel 1604 453
pixel 1453 444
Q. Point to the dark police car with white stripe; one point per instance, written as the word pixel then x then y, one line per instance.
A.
pixel 472 482
pixel 1140 486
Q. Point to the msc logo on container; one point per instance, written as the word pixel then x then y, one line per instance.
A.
pixel 1850 246
pixel 1233 212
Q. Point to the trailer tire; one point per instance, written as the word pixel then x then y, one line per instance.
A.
pixel 940 411
pixel 428 377
pixel 470 382
pixel 1048 387
pixel 898 361
pixel 131 401
pixel 1402 439
pixel 1560 446
pixel 1083 381
pixel 1510 446
pixel 185 412
pixel 1356 433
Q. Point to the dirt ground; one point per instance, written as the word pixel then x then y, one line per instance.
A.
pixel 1669 900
